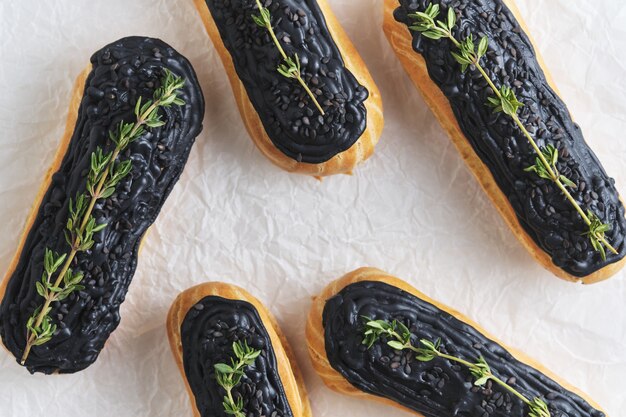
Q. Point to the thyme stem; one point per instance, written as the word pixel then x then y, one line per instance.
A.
pixel 270 29
pixel 428 350
pixel 229 376
pixel 290 68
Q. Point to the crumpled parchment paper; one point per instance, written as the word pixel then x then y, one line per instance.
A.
pixel 413 209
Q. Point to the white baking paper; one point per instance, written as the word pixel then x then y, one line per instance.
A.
pixel 413 209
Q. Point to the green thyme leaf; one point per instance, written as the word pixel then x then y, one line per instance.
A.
pixel 395 345
pixel 258 20
pixel 376 325
pixel 108 192
pixel 424 357
pixel 99 227
pixel 451 18
pixel 229 376
pixel 432 10
pixel 433 34
pixel 538 408
pixel 483 46
pixel 41 290
pixel 567 181
pixel 540 169
pixel 597 233
pixel 481 381
pixel 155 123
pixel 222 367
pixel 428 344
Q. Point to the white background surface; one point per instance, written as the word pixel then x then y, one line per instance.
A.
pixel 413 209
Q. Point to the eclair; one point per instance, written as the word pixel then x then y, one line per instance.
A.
pixel 304 93
pixel 373 336
pixel 133 117
pixel 232 355
pixel 479 71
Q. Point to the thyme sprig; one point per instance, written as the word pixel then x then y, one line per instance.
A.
pixel 229 376
pixel 399 337
pixel 105 173
pixel 468 55
pixel 290 67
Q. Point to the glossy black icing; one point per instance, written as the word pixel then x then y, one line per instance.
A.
pixel 122 72
pixel 542 210
pixel 207 333
pixel 290 118
pixel 439 388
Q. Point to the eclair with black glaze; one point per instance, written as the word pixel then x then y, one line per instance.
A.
pixel 204 324
pixel 78 251
pixel 283 120
pixel 356 362
pixel 494 146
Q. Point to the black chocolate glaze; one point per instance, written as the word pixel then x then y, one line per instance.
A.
pixel 207 334
pixel 545 214
pixel 289 116
pixel 438 388
pixel 122 72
